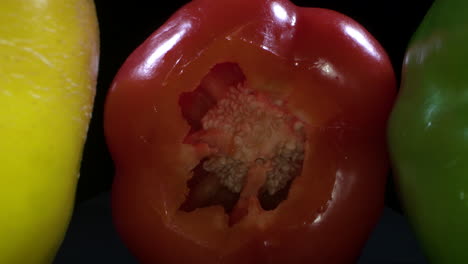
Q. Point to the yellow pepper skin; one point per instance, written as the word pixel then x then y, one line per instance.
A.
pixel 49 53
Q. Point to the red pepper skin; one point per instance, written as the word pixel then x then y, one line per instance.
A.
pixel 336 76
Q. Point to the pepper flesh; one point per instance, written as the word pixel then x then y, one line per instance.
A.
pixel 245 134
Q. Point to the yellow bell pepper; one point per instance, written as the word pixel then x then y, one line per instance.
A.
pixel 49 52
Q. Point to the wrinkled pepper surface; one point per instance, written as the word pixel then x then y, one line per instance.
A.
pixel 49 54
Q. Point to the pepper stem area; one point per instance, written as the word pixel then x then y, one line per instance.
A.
pixel 256 146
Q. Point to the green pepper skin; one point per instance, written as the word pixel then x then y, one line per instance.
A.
pixel 428 133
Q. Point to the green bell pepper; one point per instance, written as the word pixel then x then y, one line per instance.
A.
pixel 428 133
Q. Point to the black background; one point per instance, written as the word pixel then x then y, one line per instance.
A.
pixel 126 24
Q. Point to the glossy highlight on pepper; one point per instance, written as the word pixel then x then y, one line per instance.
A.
pixel 250 131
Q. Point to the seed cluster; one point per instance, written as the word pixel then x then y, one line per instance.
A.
pixel 285 164
pixel 230 172
pixel 262 133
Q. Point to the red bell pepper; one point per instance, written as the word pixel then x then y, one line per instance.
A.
pixel 250 131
